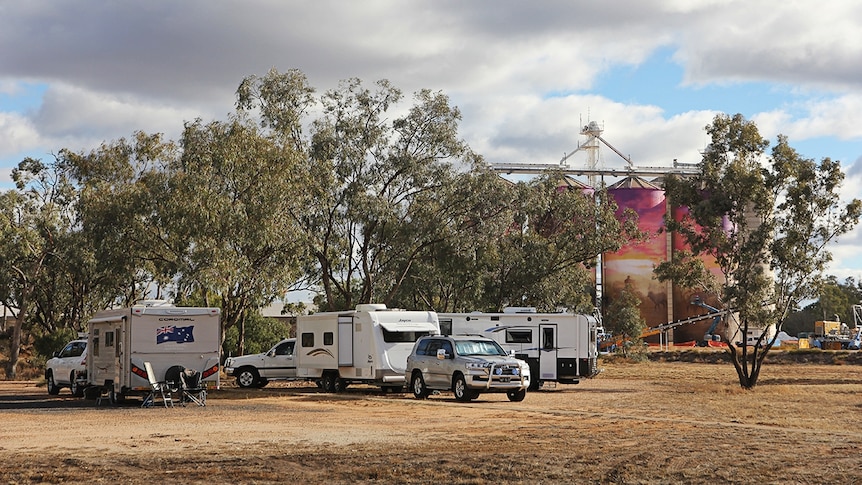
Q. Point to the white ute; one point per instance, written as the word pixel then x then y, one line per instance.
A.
pixel 256 370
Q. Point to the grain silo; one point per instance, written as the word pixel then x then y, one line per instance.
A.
pixel 633 264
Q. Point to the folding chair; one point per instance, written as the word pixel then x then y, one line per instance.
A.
pixel 192 389
pixel 157 389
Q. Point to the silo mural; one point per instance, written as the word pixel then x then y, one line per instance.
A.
pixel 633 264
pixel 683 297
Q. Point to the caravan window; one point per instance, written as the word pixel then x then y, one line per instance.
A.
pixel 328 338
pixel 95 348
pixel 445 326
pixel 519 336
pixel 308 339
pixel 548 338
pixel 109 339
pixel 394 337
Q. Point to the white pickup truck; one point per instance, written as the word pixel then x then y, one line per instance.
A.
pixel 256 370
pixel 68 368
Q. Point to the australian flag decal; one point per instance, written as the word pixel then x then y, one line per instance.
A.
pixel 172 333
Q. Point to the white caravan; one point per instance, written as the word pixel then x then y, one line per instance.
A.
pixel 170 338
pixel 560 347
pixel 368 345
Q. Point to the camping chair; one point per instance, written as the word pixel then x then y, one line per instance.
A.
pixel 157 388
pixel 192 389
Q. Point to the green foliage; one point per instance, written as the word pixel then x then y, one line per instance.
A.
pixel 261 333
pixel 624 321
pixel 46 344
pixel 225 209
pixel 766 223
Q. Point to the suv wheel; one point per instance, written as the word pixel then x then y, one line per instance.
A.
pixel 247 377
pixel 53 388
pixel 417 384
pixel 516 396
pixel 462 392
pixel 75 387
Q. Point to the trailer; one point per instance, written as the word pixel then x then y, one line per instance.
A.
pixel 170 338
pixel 368 345
pixel 559 347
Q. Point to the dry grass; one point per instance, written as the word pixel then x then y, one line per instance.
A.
pixel 654 422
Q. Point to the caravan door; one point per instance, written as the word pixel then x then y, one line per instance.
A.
pixel 548 352
pixel 345 341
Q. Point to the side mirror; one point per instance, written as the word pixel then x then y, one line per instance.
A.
pixel 441 354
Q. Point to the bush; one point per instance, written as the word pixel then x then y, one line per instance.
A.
pixel 46 345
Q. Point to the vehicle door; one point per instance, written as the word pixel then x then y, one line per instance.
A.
pixel 278 362
pixel 68 360
pixel 547 352
pixel 441 369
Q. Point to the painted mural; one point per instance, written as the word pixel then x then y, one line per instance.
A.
pixel 633 264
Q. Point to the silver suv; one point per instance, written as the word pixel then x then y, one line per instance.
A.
pixel 68 368
pixel 467 365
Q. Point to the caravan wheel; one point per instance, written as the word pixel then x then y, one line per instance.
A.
pixel 328 381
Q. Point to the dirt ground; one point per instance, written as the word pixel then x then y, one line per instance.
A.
pixel 655 422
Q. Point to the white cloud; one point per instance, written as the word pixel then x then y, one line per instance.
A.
pixel 17 134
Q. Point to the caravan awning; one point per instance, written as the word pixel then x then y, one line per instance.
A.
pixel 112 318
pixel 419 326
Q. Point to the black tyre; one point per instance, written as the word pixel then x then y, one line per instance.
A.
pixel 462 392
pixel 328 382
pixel 417 385
pixel 341 385
pixel 247 377
pixel 76 388
pixel 53 388
pixel 516 396
pixel 262 382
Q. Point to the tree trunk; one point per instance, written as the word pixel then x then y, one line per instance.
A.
pixel 748 362
pixel 14 348
pixel 241 339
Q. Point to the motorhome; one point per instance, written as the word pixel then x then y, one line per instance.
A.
pixel 560 347
pixel 368 345
pixel 120 342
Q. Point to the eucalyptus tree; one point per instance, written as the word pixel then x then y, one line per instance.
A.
pixel 369 174
pixel 35 219
pixel 766 221
pixel 525 244
pixel 122 189
pixel 546 261
pixel 227 205
pixel 470 214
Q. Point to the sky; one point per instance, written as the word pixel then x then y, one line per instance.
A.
pixel 526 76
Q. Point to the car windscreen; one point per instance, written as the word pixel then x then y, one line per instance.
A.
pixel 478 347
